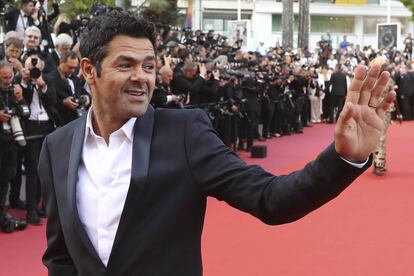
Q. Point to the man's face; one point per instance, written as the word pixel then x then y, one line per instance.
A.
pixel 167 76
pixel 28 8
pixel 6 77
pixel 127 79
pixel 69 67
pixel 32 39
pixel 189 74
pixel 63 48
pixel 12 51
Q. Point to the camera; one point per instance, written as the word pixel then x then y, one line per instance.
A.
pixel 35 72
pixel 82 101
pixel 13 126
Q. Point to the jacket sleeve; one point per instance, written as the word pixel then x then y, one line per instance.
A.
pixel 56 258
pixel 273 199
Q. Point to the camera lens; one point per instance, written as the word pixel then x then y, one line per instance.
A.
pixel 35 73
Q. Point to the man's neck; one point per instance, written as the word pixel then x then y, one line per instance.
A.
pixel 104 124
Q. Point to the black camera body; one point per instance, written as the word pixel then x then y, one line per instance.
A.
pixel 82 101
pixel 34 53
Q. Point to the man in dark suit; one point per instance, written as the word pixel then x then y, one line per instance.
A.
pixel 68 88
pixel 63 44
pixel 19 19
pixel 41 100
pixel 338 93
pixel 126 186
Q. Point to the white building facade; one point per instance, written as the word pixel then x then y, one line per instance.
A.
pixel 357 21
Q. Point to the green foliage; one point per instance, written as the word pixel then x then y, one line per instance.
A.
pixel 78 7
pixel 410 5
pixel 160 11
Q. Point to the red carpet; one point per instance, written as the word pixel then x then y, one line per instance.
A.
pixel 366 231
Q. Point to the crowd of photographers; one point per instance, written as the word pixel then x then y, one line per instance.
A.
pixel 255 95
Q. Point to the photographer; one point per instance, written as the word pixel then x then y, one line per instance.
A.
pixel 20 19
pixel 63 44
pixel 10 98
pixel 162 96
pixel 12 52
pixel 31 43
pixel 72 99
pixel 189 83
pixel 42 100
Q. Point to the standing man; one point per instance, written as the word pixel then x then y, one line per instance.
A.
pixel 63 44
pixel 338 93
pixel 20 20
pixel 68 87
pixel 408 42
pixel 10 96
pixel 126 186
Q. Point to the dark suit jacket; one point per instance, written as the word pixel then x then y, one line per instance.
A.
pixel 63 90
pixel 51 62
pixel 13 15
pixel 11 20
pixel 338 82
pixel 161 224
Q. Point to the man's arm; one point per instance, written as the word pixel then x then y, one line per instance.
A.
pixel 56 258
pixel 273 199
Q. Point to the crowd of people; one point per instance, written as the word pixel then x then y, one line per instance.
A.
pixel 248 95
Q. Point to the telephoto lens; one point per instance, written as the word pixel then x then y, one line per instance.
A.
pixel 17 131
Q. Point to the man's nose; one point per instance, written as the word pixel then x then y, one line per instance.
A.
pixel 138 75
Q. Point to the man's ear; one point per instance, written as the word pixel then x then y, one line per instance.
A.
pixel 88 71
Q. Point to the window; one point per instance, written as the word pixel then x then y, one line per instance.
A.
pixel 277 23
pixel 334 24
pixel 320 24
pixel 370 23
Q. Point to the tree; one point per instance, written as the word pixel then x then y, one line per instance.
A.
pixel 78 7
pixel 409 4
pixel 287 24
pixel 160 11
pixel 304 24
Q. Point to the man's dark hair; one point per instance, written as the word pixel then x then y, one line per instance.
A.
pixel 102 29
pixel 183 54
pixel 68 55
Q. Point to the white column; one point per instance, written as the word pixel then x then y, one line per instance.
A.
pixel 359 30
pixel 197 15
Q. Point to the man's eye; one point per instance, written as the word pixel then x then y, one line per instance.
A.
pixel 149 67
pixel 125 66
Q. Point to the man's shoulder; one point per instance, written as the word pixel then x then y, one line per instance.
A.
pixel 63 135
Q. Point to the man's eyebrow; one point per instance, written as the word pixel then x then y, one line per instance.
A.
pixel 133 59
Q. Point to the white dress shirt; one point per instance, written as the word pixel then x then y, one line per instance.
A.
pixel 37 110
pixel 104 176
pixel 22 24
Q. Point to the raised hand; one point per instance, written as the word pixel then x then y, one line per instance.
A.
pixel 359 126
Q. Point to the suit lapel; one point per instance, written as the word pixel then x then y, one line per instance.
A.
pixel 74 161
pixel 141 147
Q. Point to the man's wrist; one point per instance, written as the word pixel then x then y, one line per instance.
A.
pixel 357 165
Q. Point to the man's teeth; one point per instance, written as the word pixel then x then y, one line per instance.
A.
pixel 136 93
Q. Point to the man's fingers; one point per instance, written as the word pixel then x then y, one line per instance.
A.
pixel 369 84
pixel 386 103
pixel 378 90
pixel 346 113
pixel 356 84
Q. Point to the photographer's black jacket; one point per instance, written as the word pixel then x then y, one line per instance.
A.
pixel 7 99
pixel 61 86
pixel 48 100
